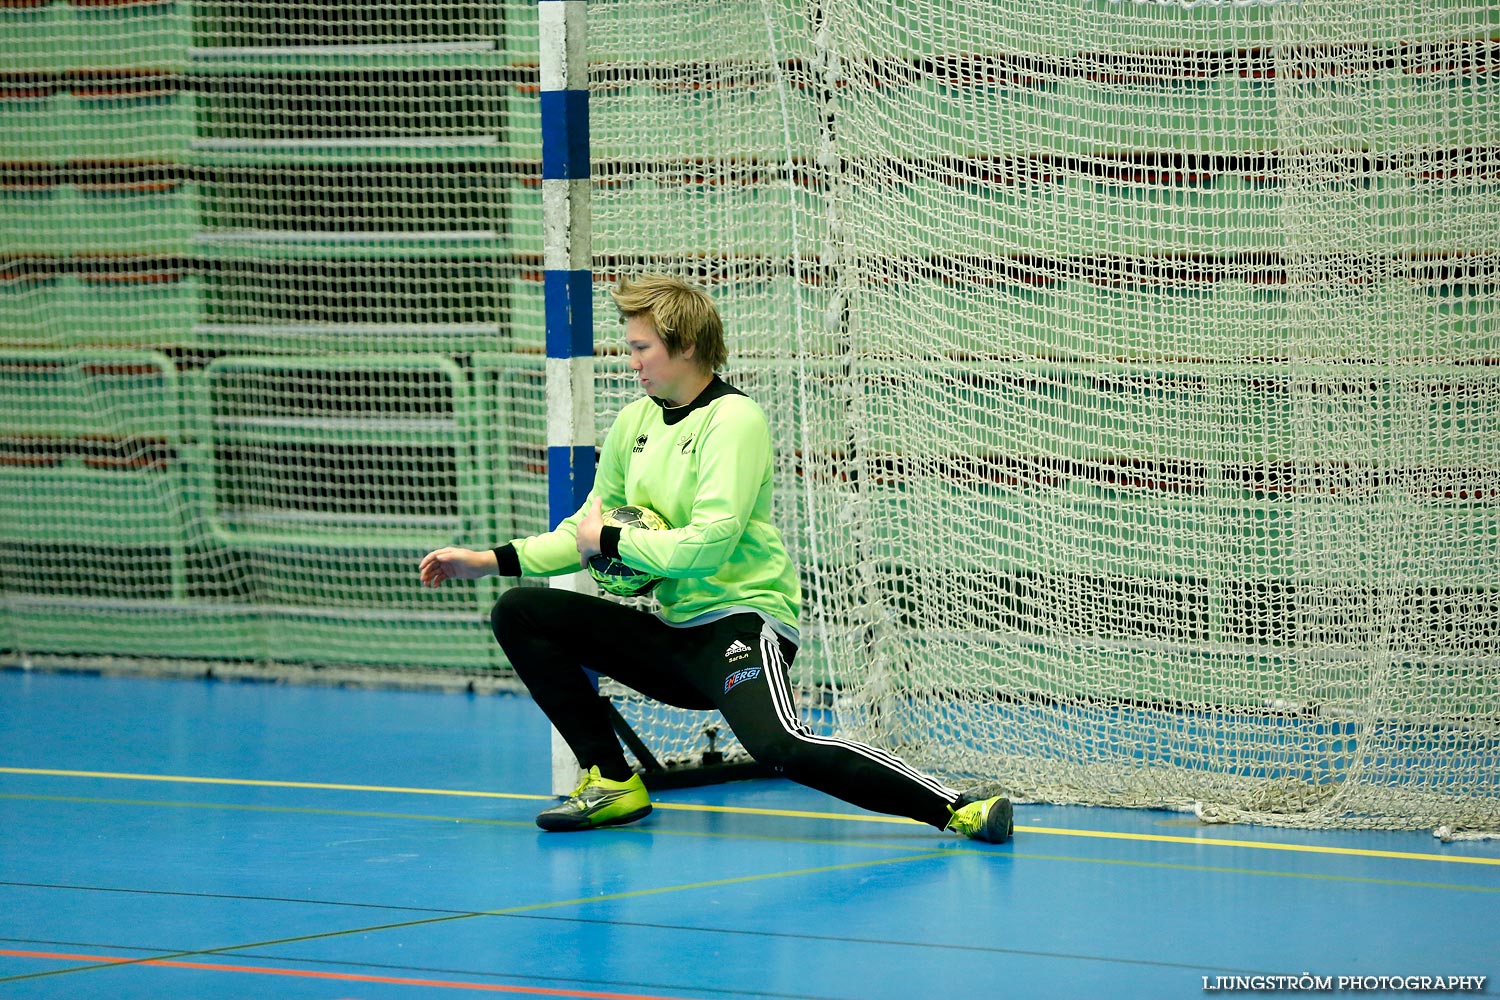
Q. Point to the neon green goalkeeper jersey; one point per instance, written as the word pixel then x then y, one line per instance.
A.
pixel 706 468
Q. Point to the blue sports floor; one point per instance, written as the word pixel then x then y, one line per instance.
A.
pixel 208 840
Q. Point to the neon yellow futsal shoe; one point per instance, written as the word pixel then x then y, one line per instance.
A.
pixel 990 820
pixel 598 801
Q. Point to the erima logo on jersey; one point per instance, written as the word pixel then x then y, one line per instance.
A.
pixel 739 677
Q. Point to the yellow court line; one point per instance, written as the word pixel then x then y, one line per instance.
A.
pixel 1357 852
pixel 1159 838
pixel 934 852
pixel 261 783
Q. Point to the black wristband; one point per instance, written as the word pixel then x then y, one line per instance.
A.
pixel 508 560
pixel 609 541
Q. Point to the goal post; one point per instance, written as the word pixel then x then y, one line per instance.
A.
pixel 562 38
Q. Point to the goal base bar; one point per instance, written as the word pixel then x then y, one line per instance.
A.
pixel 709 769
pixel 696 775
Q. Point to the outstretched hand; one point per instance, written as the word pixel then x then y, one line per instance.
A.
pixel 452 563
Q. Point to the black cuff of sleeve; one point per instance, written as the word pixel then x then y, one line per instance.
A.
pixel 508 560
pixel 609 541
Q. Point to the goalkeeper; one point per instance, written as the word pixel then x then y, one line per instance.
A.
pixel 698 451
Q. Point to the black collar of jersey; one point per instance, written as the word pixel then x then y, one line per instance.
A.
pixel 714 390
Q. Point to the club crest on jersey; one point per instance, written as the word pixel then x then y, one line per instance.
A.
pixel 739 677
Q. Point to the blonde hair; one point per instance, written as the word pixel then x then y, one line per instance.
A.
pixel 683 314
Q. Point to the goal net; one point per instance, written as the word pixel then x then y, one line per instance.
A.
pixel 1133 372
pixel 1132 366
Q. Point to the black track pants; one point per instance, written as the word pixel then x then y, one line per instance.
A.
pixel 736 664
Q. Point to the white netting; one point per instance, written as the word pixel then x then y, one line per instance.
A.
pixel 269 327
pixel 1133 373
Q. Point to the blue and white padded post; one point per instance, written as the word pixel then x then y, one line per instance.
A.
pixel 567 255
pixel 567 250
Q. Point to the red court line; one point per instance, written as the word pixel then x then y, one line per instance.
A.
pixel 341 976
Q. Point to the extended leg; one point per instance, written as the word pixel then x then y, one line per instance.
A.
pixel 756 700
pixel 752 691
